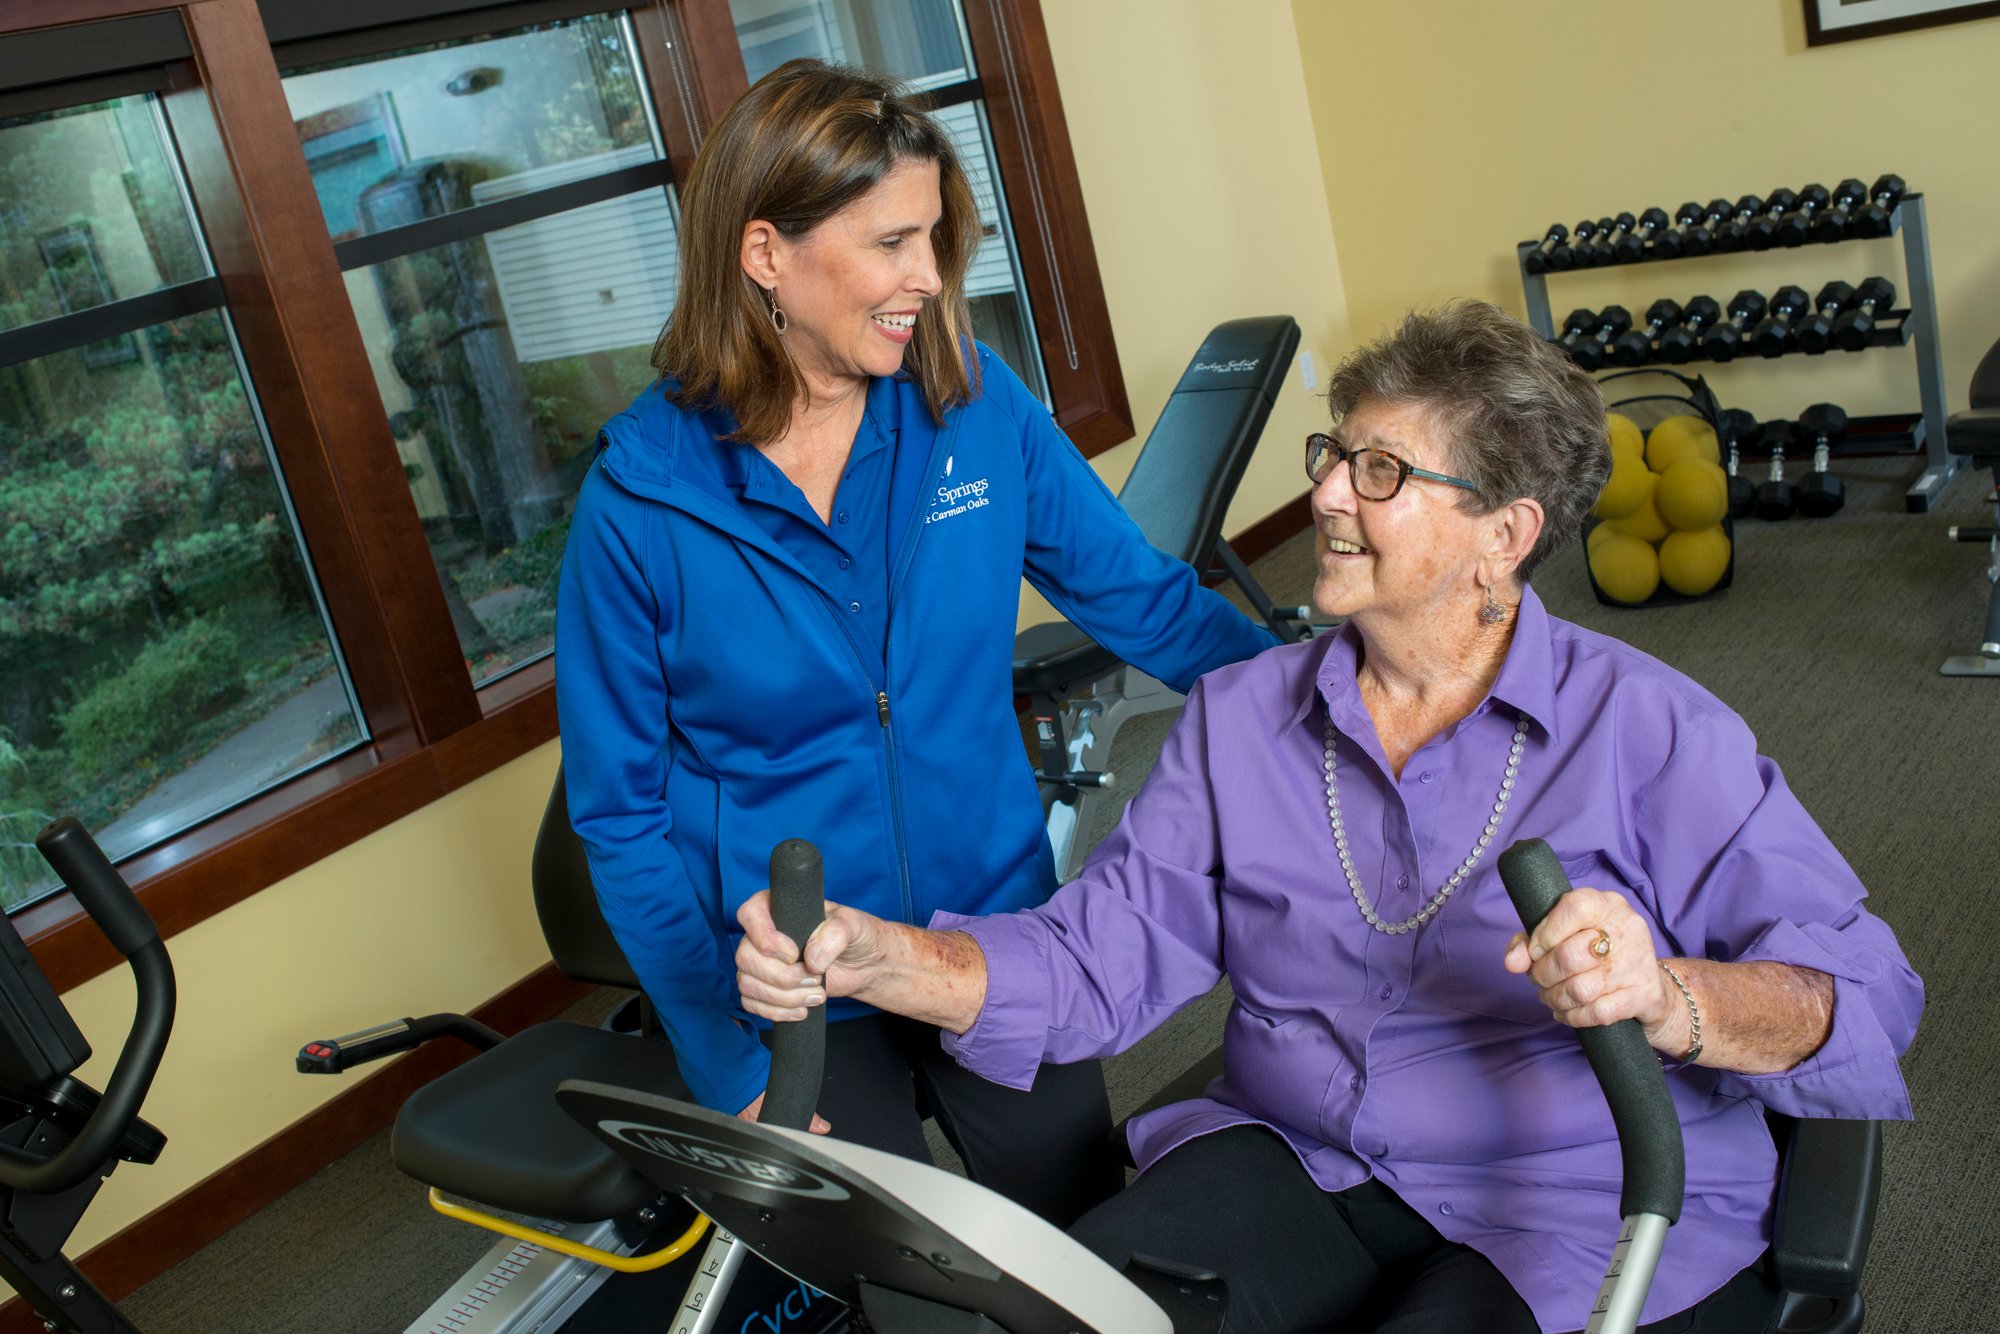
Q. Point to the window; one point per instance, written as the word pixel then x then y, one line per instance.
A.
pixel 304 338
pixel 164 653
pixel 500 207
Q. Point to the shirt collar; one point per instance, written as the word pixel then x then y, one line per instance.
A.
pixel 744 467
pixel 1526 681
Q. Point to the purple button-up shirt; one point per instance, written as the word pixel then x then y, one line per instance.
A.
pixel 1418 1058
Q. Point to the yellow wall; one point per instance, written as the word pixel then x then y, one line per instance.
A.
pixel 432 913
pixel 1195 146
pixel 1450 129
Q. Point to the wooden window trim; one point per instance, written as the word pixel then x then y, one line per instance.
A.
pixel 430 731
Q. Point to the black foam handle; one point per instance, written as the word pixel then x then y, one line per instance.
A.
pixel 1649 1131
pixel 68 848
pixel 798 1049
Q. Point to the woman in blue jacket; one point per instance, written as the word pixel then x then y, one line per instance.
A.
pixel 788 603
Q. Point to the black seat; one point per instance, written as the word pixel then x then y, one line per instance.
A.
pixel 1829 1176
pixel 533 1158
pixel 1976 431
pixel 1179 489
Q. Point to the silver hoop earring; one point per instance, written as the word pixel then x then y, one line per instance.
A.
pixel 778 320
pixel 1492 613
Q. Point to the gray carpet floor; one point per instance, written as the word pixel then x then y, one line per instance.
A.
pixel 1828 643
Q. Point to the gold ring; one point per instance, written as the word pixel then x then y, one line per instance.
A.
pixel 1602 945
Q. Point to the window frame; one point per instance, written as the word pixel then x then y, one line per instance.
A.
pixel 431 730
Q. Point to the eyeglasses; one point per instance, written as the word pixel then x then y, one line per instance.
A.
pixel 1376 474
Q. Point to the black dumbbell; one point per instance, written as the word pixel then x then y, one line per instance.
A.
pixel 1590 352
pixel 1680 343
pixel 1579 244
pixel 1693 235
pixel 1821 493
pixel 1599 249
pixel 1775 497
pixel 1624 246
pixel 1838 220
pixel 1724 340
pixel 1795 228
pixel 1774 335
pixel 1878 218
pixel 1814 333
pixel 1552 253
pixel 1655 233
pixel 1631 348
pixel 1735 426
pixel 1575 329
pixel 1762 233
pixel 1871 299
pixel 1735 234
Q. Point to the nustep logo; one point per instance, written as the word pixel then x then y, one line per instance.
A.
pixel 725 1161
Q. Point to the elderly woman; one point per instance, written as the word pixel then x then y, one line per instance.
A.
pixel 1401 1139
pixel 788 604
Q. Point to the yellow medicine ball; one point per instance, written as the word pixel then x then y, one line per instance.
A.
pixel 1693 494
pixel 1626 569
pixel 1693 563
pixel 1678 438
pixel 1626 489
pixel 1626 437
pixel 1645 522
pixel 1600 533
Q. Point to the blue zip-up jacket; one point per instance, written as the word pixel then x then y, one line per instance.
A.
pixel 716 700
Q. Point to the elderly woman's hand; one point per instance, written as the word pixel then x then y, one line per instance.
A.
pixel 779 981
pixel 1586 988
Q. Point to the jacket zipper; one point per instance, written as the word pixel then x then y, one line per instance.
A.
pixel 896 807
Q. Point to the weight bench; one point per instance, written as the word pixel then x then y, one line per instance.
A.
pixel 1975 434
pixel 1178 493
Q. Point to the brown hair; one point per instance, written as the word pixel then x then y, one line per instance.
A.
pixel 806 141
pixel 1517 416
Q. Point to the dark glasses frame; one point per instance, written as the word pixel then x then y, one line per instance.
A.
pixel 1323 453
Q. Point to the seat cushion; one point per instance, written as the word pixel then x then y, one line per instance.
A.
pixel 492 1131
pixel 1058 658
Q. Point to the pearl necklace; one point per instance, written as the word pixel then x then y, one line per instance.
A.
pixel 1458 877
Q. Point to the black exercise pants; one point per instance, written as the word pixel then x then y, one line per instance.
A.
pixel 1296 1257
pixel 1047 1149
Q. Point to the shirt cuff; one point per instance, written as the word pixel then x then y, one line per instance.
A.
pixel 1006 1042
pixel 1855 1073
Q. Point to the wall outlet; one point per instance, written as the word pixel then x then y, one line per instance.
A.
pixel 1307 372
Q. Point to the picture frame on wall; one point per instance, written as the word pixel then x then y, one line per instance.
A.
pixel 1829 21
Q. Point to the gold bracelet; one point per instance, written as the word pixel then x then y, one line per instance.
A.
pixel 1694 1015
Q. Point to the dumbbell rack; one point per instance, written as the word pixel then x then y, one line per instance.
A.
pixel 1917 327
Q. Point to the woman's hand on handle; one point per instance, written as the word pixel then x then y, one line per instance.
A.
pixel 778 984
pixel 1586 988
pixel 819 1123
pixel 938 977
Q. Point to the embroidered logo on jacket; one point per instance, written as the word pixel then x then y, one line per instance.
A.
pixel 952 500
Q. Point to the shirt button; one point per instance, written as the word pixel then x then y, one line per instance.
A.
pixel 840 517
pixel 1355 1083
pixel 1402 882
pixel 854 606
pixel 1386 988
pixel 1381 1150
pixel 1424 777
pixel 1445 1208
pixel 845 562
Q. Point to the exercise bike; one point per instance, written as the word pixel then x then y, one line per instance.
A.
pixel 921 1251
pixel 62 1137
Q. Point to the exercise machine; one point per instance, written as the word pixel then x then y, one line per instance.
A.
pixel 1178 492
pixel 62 1137
pixel 1975 435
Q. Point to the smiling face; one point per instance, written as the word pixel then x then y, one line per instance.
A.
pixel 853 287
pixel 1411 558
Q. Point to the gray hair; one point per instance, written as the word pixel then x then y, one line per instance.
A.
pixel 1518 418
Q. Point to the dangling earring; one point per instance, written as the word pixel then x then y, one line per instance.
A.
pixel 778 320
pixel 1493 613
